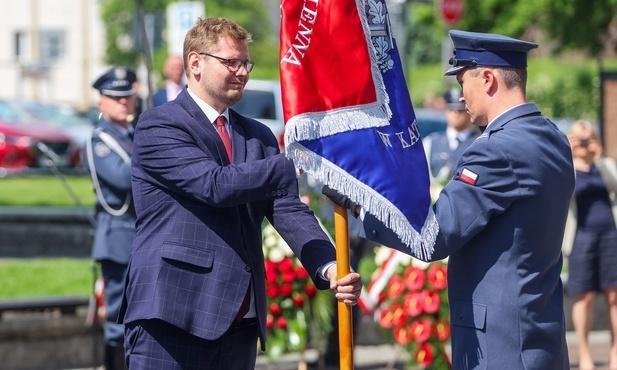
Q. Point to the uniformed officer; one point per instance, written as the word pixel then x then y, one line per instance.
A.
pixel 107 158
pixel 501 219
pixel 443 149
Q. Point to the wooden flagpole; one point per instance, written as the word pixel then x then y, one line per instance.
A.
pixel 341 235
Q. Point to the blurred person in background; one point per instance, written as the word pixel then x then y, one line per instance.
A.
pixel 444 148
pixel 173 71
pixel 591 237
pixel 107 158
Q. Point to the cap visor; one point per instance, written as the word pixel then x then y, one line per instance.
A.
pixel 454 70
pixel 118 92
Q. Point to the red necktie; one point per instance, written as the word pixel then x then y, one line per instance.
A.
pixel 222 130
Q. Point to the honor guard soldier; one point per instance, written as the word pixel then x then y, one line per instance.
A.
pixel 107 158
pixel 501 218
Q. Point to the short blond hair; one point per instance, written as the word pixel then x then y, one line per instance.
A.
pixel 207 32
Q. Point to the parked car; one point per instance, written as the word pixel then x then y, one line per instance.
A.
pixel 262 101
pixel 77 127
pixel 26 143
pixel 430 120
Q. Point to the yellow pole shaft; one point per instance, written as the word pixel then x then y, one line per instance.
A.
pixel 341 234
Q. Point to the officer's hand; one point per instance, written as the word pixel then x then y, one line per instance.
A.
pixel 341 200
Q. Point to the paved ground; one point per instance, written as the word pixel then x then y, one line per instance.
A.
pixel 600 345
pixel 386 357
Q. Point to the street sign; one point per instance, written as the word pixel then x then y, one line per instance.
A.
pixel 451 10
pixel 181 16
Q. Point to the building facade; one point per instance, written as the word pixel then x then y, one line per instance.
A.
pixel 51 50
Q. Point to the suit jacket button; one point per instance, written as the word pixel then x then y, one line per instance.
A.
pixel 278 193
pixel 247 268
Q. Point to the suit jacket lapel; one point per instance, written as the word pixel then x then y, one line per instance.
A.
pixel 238 140
pixel 188 104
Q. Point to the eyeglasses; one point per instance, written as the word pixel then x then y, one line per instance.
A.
pixel 233 65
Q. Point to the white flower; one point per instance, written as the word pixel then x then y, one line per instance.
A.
pixel 381 255
pixel 276 255
pixel 269 230
pixel 421 264
pixel 270 241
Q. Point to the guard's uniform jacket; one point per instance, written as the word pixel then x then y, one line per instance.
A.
pixel 501 222
pixel 114 233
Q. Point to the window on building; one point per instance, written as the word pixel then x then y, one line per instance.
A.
pixel 52 46
pixel 21 46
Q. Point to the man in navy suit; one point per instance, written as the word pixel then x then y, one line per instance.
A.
pixel 204 179
pixel 501 219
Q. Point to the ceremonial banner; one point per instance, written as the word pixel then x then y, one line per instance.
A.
pixel 349 118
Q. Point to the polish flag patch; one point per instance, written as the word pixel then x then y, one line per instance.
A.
pixel 468 176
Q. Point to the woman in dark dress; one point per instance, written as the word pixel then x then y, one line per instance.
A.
pixel 593 257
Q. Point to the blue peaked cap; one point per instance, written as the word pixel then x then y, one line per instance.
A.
pixel 487 49
pixel 117 81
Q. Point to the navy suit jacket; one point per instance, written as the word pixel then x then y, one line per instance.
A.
pixel 503 236
pixel 198 237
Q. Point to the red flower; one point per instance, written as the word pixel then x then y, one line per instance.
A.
pixel 438 276
pixel 398 314
pixel 289 277
pixel 286 265
pixel 413 304
pixel 298 300
pixel 270 265
pixel 425 354
pixel 269 322
pixel 275 309
pixel 396 287
pixel 421 329
pixel 310 290
pixel 301 273
pixel 385 318
pixel 392 316
pixel 442 330
pixel 285 290
pixel 272 291
pixel 281 322
pixel 414 278
pixel 403 335
pixel 430 301
pixel 271 275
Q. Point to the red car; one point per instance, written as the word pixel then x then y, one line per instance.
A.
pixel 26 143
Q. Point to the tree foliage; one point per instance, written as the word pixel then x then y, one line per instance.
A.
pixel 119 17
pixel 581 24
